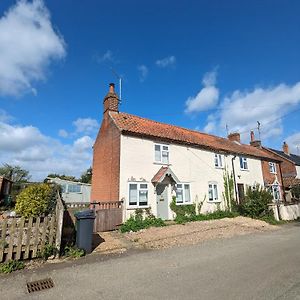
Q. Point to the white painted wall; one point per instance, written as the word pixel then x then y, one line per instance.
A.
pixel 298 171
pixel 191 165
pixel 287 212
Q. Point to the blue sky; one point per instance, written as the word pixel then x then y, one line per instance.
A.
pixel 196 64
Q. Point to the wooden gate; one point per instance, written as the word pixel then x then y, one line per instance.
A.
pixel 109 215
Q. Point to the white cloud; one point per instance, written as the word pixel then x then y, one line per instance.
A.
pixel 143 72
pixel 168 61
pixel 108 56
pixel 63 133
pixel 208 96
pixel 28 44
pixel 28 147
pixel 210 127
pixel 242 109
pixel 85 125
pixel 294 143
pixel 4 116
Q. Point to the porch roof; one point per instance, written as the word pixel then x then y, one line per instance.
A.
pixel 162 173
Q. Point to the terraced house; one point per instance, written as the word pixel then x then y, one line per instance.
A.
pixel 147 163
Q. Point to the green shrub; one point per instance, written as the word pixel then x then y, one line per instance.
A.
pixel 11 265
pixel 257 202
pixel 36 200
pixel 183 212
pixel 295 190
pixel 48 251
pixel 74 252
pixel 137 221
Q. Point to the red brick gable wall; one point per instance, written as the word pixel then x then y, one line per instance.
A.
pixel 269 177
pixel 106 162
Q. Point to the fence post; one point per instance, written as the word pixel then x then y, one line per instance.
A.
pixel 59 219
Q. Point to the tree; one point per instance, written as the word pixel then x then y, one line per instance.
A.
pixel 63 177
pixel 15 173
pixel 86 177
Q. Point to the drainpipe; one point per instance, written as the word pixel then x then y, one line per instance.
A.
pixel 283 190
pixel 234 181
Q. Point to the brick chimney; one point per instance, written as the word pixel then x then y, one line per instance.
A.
pixel 253 142
pixel 234 137
pixel 285 148
pixel 111 100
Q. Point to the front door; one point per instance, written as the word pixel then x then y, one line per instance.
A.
pixel 241 193
pixel 162 201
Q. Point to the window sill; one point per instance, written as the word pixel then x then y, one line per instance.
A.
pixel 274 173
pixel 247 170
pixel 215 201
pixel 137 207
pixel 184 203
pixel 220 168
pixel 162 164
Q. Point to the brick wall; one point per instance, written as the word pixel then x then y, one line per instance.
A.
pixel 106 162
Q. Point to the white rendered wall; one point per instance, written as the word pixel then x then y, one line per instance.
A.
pixel 191 165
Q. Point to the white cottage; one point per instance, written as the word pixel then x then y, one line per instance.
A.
pixel 146 163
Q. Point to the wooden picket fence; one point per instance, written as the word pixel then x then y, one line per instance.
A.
pixel 22 238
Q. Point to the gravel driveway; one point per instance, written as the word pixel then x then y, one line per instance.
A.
pixel 179 235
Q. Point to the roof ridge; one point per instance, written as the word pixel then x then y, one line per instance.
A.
pixel 180 127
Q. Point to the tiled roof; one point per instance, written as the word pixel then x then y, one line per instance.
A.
pixel 290 181
pixel 137 126
pixel 294 158
pixel 161 172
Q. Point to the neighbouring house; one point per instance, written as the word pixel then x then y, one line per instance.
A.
pixel 272 170
pixel 73 192
pixel 5 188
pixel 146 163
pixel 290 168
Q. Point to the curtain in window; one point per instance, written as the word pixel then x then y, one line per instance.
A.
pixel 133 194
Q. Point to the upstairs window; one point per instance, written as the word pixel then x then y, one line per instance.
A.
pixel 213 192
pixel 74 188
pixel 161 153
pixel 218 161
pixel 243 163
pixel 138 194
pixel 183 193
pixel 272 167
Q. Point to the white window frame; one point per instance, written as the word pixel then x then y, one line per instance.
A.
pixel 139 189
pixel 213 187
pixel 272 168
pixel 167 150
pixel 183 184
pixel 218 161
pixel 243 163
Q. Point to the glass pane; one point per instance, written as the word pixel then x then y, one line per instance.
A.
pixel 143 197
pixel 157 153
pixel 187 196
pixel 165 157
pixel 179 186
pixel 241 163
pixel 165 148
pixel 179 196
pixel 132 194
pixel 215 192
pixel 63 188
pixel 216 160
pixel 210 193
pixel 143 186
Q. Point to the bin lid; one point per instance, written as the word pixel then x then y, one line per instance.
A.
pixel 85 214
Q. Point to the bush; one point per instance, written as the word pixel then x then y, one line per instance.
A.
pixel 48 251
pixel 74 252
pixel 11 265
pixel 183 212
pixel 256 203
pixel 295 190
pixel 138 221
pixel 36 200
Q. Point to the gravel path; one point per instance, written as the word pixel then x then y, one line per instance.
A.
pixel 196 232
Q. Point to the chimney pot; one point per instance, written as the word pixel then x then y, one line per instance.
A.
pixel 285 148
pixel 252 137
pixel 234 137
pixel 111 100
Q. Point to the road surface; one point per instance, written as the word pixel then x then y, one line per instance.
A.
pixel 255 266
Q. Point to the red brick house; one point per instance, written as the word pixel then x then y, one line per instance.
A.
pixel 147 164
